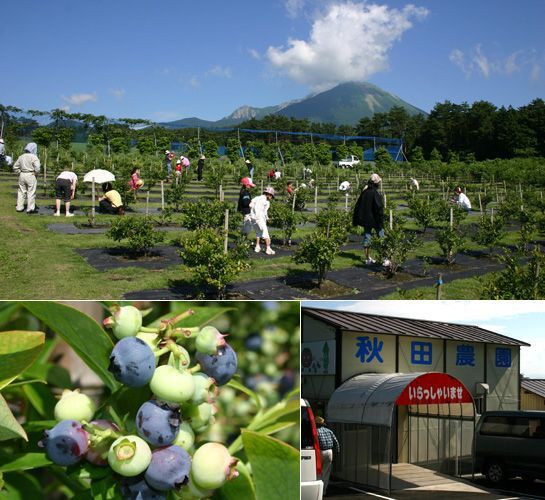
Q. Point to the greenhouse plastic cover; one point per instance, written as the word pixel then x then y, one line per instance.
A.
pixel 369 398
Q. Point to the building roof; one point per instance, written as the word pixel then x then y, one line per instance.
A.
pixel 373 323
pixel 535 385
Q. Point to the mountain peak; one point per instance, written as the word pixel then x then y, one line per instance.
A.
pixel 344 104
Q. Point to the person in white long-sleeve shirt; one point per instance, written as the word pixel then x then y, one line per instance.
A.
pixel 461 199
pixel 259 208
pixel 27 166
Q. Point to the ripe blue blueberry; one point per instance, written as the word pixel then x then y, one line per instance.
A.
pixel 66 443
pixel 157 423
pixel 253 342
pixel 132 362
pixel 136 488
pixel 169 468
pixel 221 366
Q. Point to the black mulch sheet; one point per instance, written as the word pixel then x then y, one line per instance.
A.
pixel 103 259
pixel 67 228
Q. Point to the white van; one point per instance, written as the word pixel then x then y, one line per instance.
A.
pixel 509 444
pixel 312 487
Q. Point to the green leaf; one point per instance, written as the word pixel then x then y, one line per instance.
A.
pixel 105 489
pixel 7 312
pixel 238 386
pixel 18 349
pixel 275 466
pixel 39 425
pixel 241 487
pixel 91 343
pixel 55 375
pixel 201 315
pixel 41 399
pixel 282 415
pixel 21 486
pixel 9 427
pixel 23 461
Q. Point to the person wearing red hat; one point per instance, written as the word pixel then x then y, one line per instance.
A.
pixel 461 199
pixel 244 199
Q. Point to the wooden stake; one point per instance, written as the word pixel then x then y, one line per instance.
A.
pixel 315 199
pixel 163 195
pixel 226 230
pixel 451 217
pixel 391 219
pixel 293 202
pixel 147 202
pixel 480 203
pixel 93 202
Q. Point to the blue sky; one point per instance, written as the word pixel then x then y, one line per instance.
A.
pixel 169 59
pixel 523 320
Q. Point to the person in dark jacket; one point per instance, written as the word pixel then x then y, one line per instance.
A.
pixel 244 199
pixel 200 166
pixel 369 213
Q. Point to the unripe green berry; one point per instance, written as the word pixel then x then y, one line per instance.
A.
pixel 125 322
pixel 148 338
pixel 171 385
pixel 203 384
pixel 200 416
pixel 208 340
pixel 213 466
pixel 74 406
pixel 185 437
pixel 193 492
pixel 129 456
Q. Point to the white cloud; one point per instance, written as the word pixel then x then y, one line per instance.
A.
pixel 455 311
pixel 79 99
pixel 117 93
pixel 477 62
pixel 294 7
pixel 535 73
pixel 255 54
pixel 350 41
pixel 194 81
pixel 219 71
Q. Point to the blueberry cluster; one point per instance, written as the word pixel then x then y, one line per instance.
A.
pixel 154 452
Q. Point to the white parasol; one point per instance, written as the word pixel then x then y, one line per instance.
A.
pixel 99 175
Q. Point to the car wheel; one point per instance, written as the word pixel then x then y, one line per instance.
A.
pixel 494 472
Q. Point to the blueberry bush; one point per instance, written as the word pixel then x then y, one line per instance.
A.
pixel 181 410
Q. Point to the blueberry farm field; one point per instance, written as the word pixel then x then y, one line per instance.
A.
pixel 46 257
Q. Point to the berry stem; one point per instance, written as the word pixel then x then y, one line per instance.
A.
pixel 176 319
pixel 115 417
pixel 162 351
pixel 185 333
pixel 195 369
pixel 147 329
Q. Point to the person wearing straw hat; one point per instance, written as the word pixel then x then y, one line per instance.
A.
pixel 369 213
pixel 250 169
pixel 2 152
pixel 259 208
pixel 27 166
pixel 169 156
pixel 200 166
pixel 65 189
pixel 328 443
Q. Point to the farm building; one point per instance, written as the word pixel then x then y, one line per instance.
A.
pixel 532 394
pixel 398 390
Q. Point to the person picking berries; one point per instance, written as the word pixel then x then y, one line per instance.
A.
pixel 259 208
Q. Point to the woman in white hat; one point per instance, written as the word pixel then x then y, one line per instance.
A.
pixel 259 208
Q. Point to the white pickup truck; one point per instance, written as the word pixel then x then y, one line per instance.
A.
pixel 351 161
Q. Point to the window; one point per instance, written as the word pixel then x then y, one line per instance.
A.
pixel 513 427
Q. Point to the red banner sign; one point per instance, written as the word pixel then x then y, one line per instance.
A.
pixel 434 388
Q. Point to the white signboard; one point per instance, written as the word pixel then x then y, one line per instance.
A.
pixel 318 358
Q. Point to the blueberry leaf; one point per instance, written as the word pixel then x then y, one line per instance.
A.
pixel 274 464
pixel 91 343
